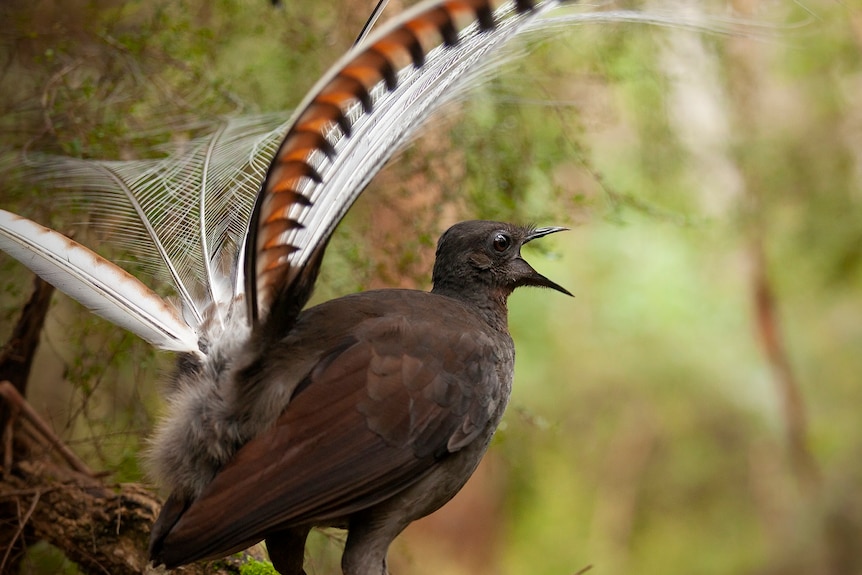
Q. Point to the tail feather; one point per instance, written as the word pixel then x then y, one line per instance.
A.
pixel 105 288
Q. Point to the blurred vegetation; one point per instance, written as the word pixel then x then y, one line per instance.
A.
pixel 712 182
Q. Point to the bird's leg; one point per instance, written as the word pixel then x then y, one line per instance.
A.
pixel 287 550
pixel 368 541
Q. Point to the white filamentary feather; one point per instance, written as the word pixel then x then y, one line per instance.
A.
pixel 182 217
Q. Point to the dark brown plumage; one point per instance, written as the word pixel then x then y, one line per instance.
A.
pixel 395 395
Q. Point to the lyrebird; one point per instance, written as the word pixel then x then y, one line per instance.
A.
pixel 365 412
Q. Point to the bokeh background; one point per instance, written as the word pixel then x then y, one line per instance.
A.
pixel 694 409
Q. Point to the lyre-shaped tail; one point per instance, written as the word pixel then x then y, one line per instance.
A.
pixel 350 124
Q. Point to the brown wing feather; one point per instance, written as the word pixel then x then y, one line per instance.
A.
pixel 371 420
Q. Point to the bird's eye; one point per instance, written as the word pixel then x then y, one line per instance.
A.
pixel 502 242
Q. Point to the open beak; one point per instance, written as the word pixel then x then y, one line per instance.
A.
pixel 535 278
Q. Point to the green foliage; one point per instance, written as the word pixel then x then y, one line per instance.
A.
pixel 647 431
pixel 44 559
pixel 253 567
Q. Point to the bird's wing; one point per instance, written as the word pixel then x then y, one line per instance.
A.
pixel 106 289
pixel 374 417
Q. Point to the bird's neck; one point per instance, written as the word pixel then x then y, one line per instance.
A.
pixel 487 303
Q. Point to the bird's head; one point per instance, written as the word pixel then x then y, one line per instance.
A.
pixel 486 256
